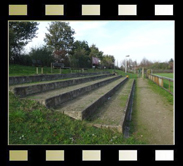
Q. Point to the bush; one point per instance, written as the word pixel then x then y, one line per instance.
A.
pixel 148 72
pixel 25 60
pixel 43 54
pixel 21 59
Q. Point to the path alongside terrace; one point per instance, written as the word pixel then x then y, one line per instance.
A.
pixel 154 116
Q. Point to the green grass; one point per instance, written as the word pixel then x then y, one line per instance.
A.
pixel 161 91
pixel 136 128
pixel 32 123
pixel 166 82
pixel 20 70
pixel 169 75
pixel 131 75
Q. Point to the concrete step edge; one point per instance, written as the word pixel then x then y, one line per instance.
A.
pixel 39 88
pixel 54 101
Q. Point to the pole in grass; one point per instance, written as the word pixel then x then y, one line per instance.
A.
pixel 126 66
pixel 36 70
pixel 51 67
pixel 143 72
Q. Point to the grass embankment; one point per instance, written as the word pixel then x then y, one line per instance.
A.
pixel 32 123
pixel 19 70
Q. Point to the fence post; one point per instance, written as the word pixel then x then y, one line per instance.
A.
pixel 41 70
pixel 51 67
pixel 143 72
pixel 36 70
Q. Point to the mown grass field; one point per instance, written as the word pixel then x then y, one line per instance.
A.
pixel 32 123
pixel 169 75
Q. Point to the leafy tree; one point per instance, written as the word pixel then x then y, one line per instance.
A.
pixel 95 52
pixel 60 39
pixel 80 55
pixel 42 53
pixel 108 61
pixel 20 33
pixel 170 64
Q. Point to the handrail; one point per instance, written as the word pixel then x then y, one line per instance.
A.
pixel 166 78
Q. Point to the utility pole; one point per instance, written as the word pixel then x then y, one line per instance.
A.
pixel 126 67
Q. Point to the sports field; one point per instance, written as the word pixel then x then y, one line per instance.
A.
pixel 169 75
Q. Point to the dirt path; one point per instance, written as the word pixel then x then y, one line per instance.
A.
pixel 154 116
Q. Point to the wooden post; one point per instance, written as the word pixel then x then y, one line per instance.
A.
pixel 36 70
pixel 143 72
pixel 60 71
pixel 41 70
pixel 51 67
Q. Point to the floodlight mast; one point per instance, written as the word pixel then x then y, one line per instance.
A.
pixel 126 67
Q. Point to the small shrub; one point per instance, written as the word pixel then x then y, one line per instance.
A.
pixel 148 72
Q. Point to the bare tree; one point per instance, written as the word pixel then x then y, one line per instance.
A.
pixel 145 62
pixel 123 63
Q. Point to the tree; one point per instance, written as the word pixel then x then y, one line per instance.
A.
pixel 95 52
pixel 145 62
pixel 108 61
pixel 170 64
pixel 42 53
pixel 60 39
pixel 80 55
pixel 20 33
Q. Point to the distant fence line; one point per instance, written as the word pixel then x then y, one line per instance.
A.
pixel 162 71
pixel 159 80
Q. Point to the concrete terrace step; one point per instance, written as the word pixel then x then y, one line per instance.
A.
pixel 84 106
pixel 48 77
pixel 56 97
pixel 116 112
pixel 26 90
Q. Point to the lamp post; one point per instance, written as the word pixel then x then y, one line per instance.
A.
pixel 126 67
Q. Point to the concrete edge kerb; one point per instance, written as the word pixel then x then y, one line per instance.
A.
pixel 90 109
pixel 14 80
pixel 62 98
pixel 126 110
pixel 26 90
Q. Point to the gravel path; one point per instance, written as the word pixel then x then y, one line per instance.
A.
pixel 154 116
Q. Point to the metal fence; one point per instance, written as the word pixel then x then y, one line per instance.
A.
pixel 164 82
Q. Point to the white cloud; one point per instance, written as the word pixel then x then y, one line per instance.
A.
pixel 151 39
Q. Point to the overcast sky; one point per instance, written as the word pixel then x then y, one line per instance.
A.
pixel 153 40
